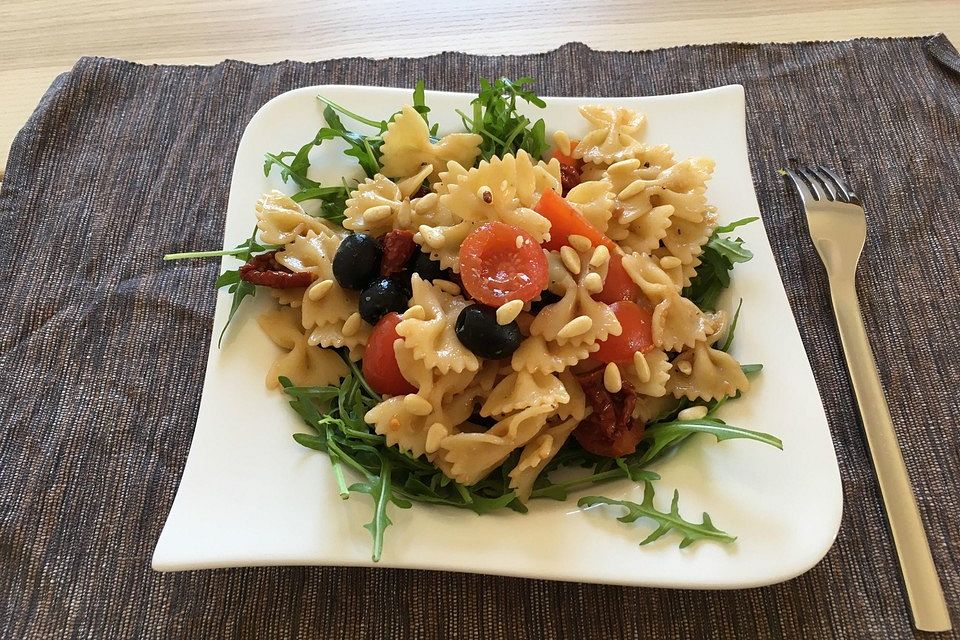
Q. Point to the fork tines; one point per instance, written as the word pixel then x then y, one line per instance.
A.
pixel 822 183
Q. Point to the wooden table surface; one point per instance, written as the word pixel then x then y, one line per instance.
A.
pixel 42 38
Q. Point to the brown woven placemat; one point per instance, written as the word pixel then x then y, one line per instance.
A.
pixel 102 346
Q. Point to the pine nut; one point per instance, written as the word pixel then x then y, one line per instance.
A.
pixel 576 327
pixel 670 262
pixel 693 413
pixel 570 259
pixel 642 366
pixel 432 236
pixel 435 434
pixel 684 367
pixel 562 142
pixel 580 243
pixel 378 213
pixel 593 282
pixel 427 202
pixel 351 325
pixel 508 312
pixel 612 381
pixel 601 255
pixel 320 289
pixel 634 188
pixel 417 405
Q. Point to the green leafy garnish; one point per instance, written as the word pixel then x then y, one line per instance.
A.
pixel 496 119
pixel 666 521
pixel 231 279
pixel 713 274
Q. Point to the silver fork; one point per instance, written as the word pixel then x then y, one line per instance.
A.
pixel 838 228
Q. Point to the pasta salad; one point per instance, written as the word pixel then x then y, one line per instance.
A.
pixel 488 318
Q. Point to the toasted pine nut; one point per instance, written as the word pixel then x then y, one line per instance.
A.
pixel 612 381
pixel 571 260
pixel 593 282
pixel 670 262
pixel 576 327
pixel 435 434
pixel 427 202
pixel 378 213
pixel 632 189
pixel 693 413
pixel 580 243
pixel 642 366
pixel 562 142
pixel 417 405
pixel 351 325
pixel 320 289
pixel 684 367
pixel 601 255
pixel 508 312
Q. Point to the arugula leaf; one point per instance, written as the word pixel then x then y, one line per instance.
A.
pixel 719 256
pixel 749 369
pixel 496 119
pixel 661 436
pixel 666 521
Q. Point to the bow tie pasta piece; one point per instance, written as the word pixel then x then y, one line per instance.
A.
pixel 576 318
pixel 407 147
pixel 432 338
pixel 648 373
pixel 445 400
pixel 469 457
pixel 647 273
pixel 680 274
pixel 615 134
pixel 281 220
pixel 641 220
pixel 595 201
pixel 502 189
pixel 684 239
pixel 304 365
pixel 678 323
pixel 706 373
pixel 373 206
pixel 537 454
pixel 522 389
pixel 288 297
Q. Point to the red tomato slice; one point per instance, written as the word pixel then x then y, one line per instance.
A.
pixel 494 270
pixel 380 366
pixel 618 285
pixel 636 335
pixel 566 221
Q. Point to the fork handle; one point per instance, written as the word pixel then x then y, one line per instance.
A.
pixel 916 563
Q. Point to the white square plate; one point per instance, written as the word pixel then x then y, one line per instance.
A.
pixel 251 496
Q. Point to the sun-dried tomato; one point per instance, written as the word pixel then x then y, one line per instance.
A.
pixel 570 175
pixel 265 271
pixel 610 430
pixel 398 246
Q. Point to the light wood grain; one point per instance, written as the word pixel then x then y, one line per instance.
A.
pixel 41 38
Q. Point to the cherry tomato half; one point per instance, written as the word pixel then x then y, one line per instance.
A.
pixel 494 270
pixel 636 335
pixel 566 221
pixel 380 366
pixel 563 158
pixel 618 285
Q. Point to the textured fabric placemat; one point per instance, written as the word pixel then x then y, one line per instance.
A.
pixel 102 346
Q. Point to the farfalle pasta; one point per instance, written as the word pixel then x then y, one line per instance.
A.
pixel 477 313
